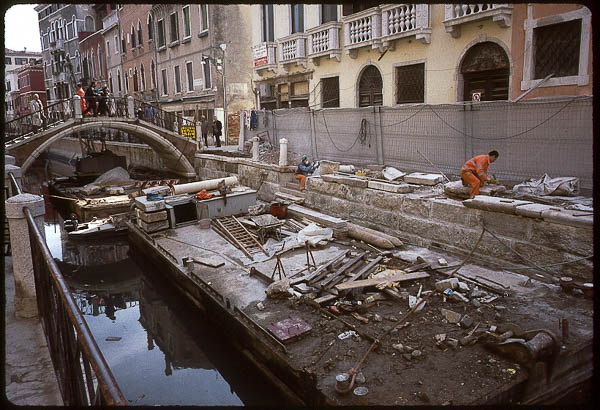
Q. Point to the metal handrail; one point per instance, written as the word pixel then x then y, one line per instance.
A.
pixel 57 112
pixel 165 119
pixel 70 341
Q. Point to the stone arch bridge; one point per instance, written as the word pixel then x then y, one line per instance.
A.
pixel 176 152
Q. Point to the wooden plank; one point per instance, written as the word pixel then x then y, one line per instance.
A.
pixel 362 273
pixel 325 298
pixel 375 281
pixel 417 267
pixel 325 284
pixel 322 270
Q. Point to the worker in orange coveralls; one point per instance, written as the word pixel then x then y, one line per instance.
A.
pixel 474 172
pixel 81 95
pixel 304 169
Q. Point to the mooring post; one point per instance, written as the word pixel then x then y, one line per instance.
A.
pixel 130 108
pixel 17 173
pixel 283 152
pixel 255 153
pixel 25 296
pixel 242 136
pixel 199 142
pixel 77 107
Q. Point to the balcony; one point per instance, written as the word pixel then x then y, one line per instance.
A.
pixel 110 21
pixel 457 14
pixel 324 40
pixel 57 45
pixel 405 20
pixel 264 57
pixel 362 30
pixel 292 50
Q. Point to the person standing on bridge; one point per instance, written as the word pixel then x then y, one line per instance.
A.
pixel 90 99
pixel 38 119
pixel 102 101
pixel 204 129
pixel 217 131
pixel 81 95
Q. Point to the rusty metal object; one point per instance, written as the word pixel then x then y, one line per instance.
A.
pixel 69 339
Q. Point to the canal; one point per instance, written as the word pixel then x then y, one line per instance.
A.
pixel 160 350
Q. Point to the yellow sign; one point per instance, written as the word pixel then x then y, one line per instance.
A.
pixel 188 131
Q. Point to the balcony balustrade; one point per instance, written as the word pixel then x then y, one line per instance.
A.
pixel 110 20
pixel 361 30
pixel 405 20
pixel 324 40
pixel 265 57
pixel 292 50
pixel 458 14
pixel 57 45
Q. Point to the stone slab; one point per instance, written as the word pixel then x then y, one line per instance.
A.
pixel 154 226
pixel 534 210
pixel 456 189
pixel 149 206
pixel 421 178
pixel 384 186
pixel 346 180
pixel 568 217
pixel 150 217
pixel 495 204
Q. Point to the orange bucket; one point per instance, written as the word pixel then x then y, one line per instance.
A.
pixel 279 210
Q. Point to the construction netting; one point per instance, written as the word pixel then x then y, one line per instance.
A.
pixel 533 137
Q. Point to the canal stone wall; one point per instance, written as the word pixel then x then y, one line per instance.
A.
pixel 445 223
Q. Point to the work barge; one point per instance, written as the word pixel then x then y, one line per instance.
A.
pixel 472 303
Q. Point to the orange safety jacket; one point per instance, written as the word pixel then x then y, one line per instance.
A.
pixel 478 165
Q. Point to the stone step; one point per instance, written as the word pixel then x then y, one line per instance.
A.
pixel 289 197
pixel 292 191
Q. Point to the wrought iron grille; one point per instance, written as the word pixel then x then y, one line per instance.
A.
pixel 557 49
pixel 410 84
pixel 331 92
pixel 370 87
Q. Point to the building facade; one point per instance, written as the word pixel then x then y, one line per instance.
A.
pixel 13 60
pixel 112 48
pixel 202 50
pixel 356 56
pixel 62 27
pixel 30 81
pixel 93 59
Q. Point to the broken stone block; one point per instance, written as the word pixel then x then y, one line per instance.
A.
pixel 154 226
pixel 149 206
pixel 442 262
pixel 451 316
pixel 150 217
pixel 451 283
pixel 457 297
pixel 421 178
pixel 466 321
pixel 477 293
pixel 463 287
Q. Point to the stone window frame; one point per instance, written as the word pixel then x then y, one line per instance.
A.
pixel 165 82
pixel 203 30
pixel 177 83
pixel 173 42
pixel 150 25
pixel 116 44
pixel 583 77
pixel 160 32
pixel 395 85
pixel 189 36
pixel 188 76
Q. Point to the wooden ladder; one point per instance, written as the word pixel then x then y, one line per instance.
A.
pixel 239 236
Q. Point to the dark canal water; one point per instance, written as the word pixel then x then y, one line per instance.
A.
pixel 160 350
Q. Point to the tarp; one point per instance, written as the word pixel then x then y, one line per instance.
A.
pixel 563 186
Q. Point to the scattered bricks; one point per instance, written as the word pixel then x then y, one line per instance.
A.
pixel 423 179
pixel 466 321
pixel 450 316
pixel 463 287
pixel 451 283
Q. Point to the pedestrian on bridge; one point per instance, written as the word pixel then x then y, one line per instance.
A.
pixel 204 129
pixel 38 118
pixel 474 171
pixel 217 131
pixel 102 101
pixel 91 99
pixel 81 95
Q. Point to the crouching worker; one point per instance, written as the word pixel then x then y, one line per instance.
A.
pixel 474 171
pixel 304 168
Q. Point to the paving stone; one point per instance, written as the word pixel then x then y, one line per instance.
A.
pixel 533 210
pixel 567 217
pixel 421 178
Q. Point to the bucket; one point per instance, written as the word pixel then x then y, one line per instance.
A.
pixel 278 209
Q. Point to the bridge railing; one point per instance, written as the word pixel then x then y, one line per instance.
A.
pixel 84 377
pixel 54 113
pixel 165 119
pixel 114 106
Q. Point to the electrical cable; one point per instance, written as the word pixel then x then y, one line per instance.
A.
pixel 333 143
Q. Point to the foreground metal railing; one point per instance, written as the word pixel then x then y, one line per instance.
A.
pixel 165 119
pixel 84 377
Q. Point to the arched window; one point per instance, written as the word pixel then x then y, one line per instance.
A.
pixel 139 33
pixel 150 27
pixel 119 81
pixel 143 73
pixel 153 75
pixel 485 70
pixel 370 87
pixel 135 80
pixel 132 37
pixel 89 24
